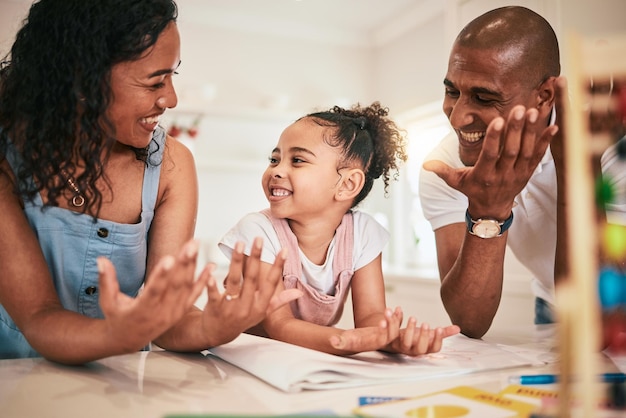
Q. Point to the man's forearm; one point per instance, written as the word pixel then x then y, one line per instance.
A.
pixel 472 289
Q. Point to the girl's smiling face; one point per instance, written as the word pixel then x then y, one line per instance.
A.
pixel 303 175
pixel 142 90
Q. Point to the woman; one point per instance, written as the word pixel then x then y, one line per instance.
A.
pixel 97 201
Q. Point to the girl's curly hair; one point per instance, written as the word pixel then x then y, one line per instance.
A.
pixel 55 87
pixel 368 137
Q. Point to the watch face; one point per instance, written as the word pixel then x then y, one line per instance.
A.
pixel 486 228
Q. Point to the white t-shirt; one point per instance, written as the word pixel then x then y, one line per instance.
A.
pixel 369 240
pixel 532 237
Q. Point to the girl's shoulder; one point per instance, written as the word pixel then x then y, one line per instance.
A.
pixel 256 220
pixel 364 221
pixel 360 216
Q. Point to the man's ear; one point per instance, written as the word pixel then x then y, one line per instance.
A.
pixel 546 95
pixel 350 184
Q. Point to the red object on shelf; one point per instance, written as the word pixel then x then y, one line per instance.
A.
pixel 174 131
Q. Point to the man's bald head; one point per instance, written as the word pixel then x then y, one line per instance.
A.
pixel 520 36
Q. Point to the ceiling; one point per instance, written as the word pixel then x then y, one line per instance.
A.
pixel 362 22
pixel 350 22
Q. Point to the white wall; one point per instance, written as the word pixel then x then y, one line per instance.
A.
pixel 410 69
pixel 268 74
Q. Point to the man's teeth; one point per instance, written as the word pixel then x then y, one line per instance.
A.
pixel 280 192
pixel 472 136
pixel 152 119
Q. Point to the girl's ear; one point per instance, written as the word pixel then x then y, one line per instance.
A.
pixel 350 184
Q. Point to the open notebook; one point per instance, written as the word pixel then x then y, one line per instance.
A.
pixel 292 368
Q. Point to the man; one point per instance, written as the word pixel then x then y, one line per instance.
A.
pixel 493 182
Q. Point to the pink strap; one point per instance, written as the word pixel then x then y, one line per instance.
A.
pixel 314 306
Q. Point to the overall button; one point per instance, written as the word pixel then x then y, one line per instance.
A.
pixel 91 290
pixel 103 232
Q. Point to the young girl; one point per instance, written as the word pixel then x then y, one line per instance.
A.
pixel 322 167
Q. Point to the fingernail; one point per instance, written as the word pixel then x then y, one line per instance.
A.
pixel 533 114
pixel 168 262
pixel 258 242
pixel 100 264
pixel 192 249
pixel 518 114
pixel 498 124
pixel 239 247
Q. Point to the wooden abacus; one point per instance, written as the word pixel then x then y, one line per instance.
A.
pixel 591 301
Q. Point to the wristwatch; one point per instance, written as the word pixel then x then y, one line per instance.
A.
pixel 487 227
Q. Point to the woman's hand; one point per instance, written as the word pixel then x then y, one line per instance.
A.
pixel 247 298
pixel 170 291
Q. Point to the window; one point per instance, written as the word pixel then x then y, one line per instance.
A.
pixel 412 244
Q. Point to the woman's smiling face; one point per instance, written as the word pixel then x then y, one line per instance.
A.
pixel 142 90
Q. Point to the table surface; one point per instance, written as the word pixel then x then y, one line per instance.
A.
pixel 160 383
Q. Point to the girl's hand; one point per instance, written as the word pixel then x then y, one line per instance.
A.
pixel 370 338
pixel 247 298
pixel 415 341
pixel 169 292
pixel 412 340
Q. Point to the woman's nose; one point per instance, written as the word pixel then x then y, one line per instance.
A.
pixel 168 99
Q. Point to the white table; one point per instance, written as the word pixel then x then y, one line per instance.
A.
pixel 159 383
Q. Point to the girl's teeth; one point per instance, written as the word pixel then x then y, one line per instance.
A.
pixel 277 192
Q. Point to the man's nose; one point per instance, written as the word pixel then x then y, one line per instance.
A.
pixel 460 114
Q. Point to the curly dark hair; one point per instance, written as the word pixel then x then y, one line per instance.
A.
pixel 55 87
pixel 368 137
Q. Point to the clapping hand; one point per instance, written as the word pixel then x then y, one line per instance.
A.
pixel 247 298
pixel 170 291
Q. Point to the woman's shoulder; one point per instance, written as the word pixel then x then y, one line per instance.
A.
pixel 175 150
pixel 177 164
